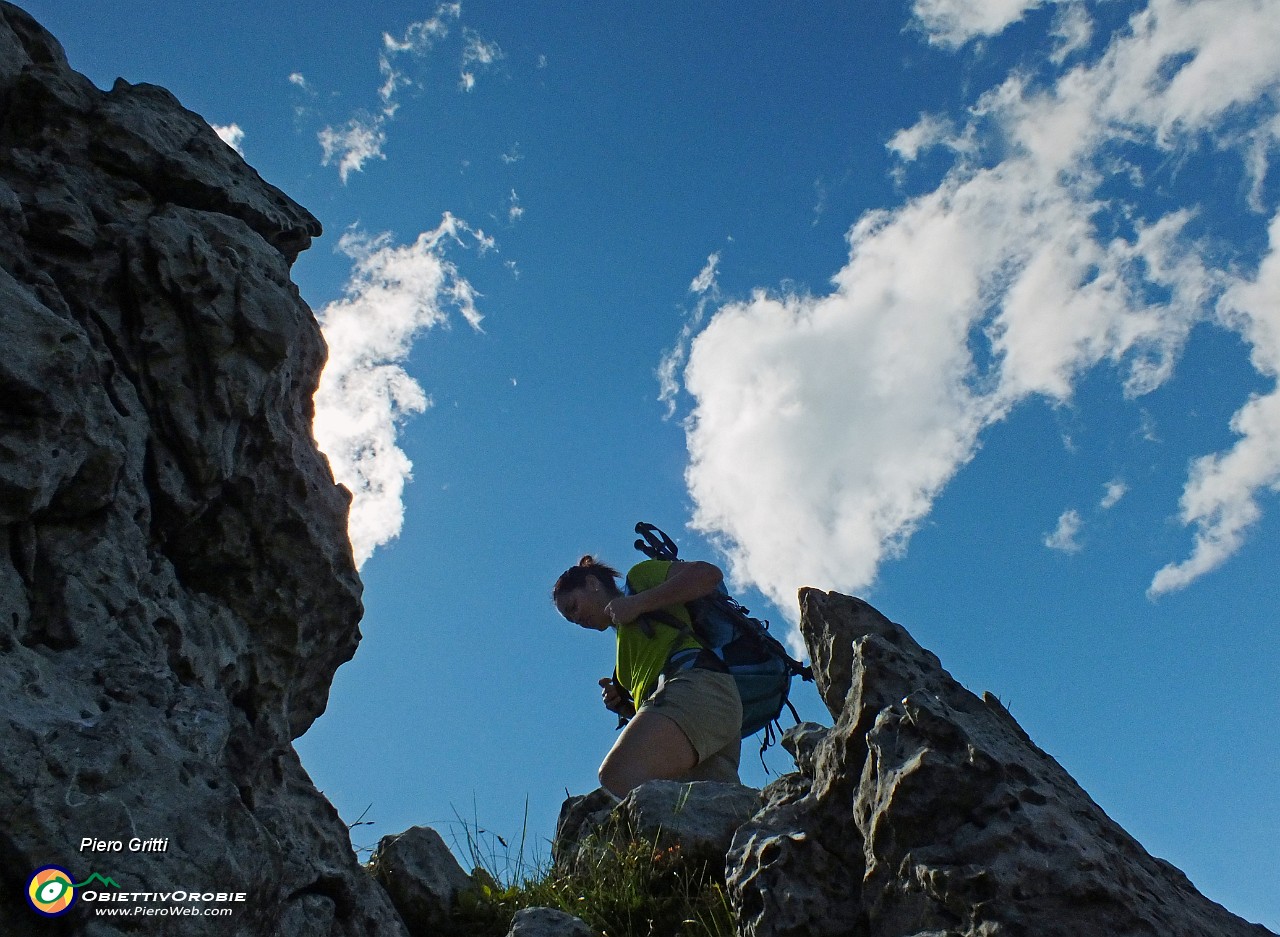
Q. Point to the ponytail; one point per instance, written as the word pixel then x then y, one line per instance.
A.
pixel 588 568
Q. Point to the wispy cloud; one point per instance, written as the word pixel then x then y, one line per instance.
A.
pixel 705 281
pixel 1072 30
pixel 1221 498
pixel 952 23
pixel 364 136
pixel 706 291
pixel 515 211
pixel 231 135
pixel 1065 537
pixel 1115 490
pixel 477 54
pixel 417 39
pixel 395 293
pixel 353 145
pixel 823 427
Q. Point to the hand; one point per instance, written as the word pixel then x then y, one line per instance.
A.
pixel 624 610
pixel 614 700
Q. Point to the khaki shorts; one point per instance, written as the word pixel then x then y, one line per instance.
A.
pixel 706 707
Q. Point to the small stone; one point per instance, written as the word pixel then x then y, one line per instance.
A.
pixel 548 922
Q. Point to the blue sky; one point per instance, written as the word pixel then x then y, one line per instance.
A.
pixel 970 308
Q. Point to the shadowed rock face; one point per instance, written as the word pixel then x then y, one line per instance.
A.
pixel 927 811
pixel 176 585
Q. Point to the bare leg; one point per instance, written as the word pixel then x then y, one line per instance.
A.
pixel 650 747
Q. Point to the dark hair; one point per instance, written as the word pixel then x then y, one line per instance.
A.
pixel 588 568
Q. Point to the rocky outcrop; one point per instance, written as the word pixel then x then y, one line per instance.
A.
pixel 698 818
pixel 176 585
pixel 421 876
pixel 928 811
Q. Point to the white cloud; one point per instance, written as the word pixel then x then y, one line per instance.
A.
pixel 299 81
pixel 419 37
pixel 361 140
pixel 395 292
pixel 364 136
pixel 1221 496
pixel 1065 536
pixel 1072 30
pixel 952 23
pixel 1115 490
pixel 231 135
pixel 824 426
pixel 929 131
pixel 706 278
pixel 1258 163
pixel 476 52
pixel 479 51
pixel 515 211
pixel 707 290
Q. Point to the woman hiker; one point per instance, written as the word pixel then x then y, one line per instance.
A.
pixel 687 721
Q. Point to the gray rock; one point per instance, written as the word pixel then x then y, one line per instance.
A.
pixel 802 741
pixel 421 876
pixel 176 584
pixel 548 922
pixel 930 811
pixel 580 816
pixel 697 817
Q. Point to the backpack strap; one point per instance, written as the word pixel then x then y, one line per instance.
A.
pixel 658 616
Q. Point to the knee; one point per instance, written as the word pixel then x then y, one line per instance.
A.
pixel 613 779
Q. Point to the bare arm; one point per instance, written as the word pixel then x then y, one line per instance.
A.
pixel 684 583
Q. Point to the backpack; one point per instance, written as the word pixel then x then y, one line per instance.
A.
pixel 757 661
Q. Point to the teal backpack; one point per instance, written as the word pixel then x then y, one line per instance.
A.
pixel 758 662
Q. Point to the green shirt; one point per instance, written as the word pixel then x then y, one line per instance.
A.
pixel 641 658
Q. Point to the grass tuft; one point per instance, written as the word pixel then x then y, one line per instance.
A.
pixel 620 887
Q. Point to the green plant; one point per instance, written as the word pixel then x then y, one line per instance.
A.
pixel 620 886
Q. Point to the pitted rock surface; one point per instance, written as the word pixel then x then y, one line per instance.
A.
pixel 176 584
pixel 928 811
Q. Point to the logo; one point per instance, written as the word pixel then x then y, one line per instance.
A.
pixel 51 892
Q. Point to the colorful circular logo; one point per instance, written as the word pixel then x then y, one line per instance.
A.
pixel 51 891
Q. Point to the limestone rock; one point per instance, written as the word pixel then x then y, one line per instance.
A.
pixel 928 811
pixel 176 584
pixel 421 876
pixel 580 816
pixel 548 922
pixel 802 741
pixel 697 817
